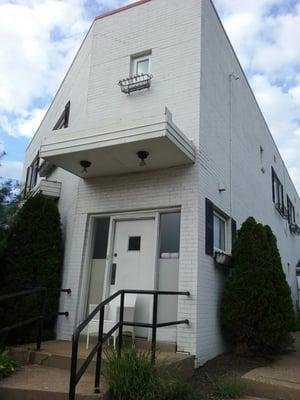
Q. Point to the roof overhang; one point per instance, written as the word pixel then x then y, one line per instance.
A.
pixel 113 150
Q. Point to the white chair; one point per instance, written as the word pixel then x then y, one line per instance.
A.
pixel 113 317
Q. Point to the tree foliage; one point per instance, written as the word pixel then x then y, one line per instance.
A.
pixel 9 200
pixel 33 257
pixel 257 311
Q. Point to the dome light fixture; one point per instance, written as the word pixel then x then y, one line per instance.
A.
pixel 142 155
pixel 85 165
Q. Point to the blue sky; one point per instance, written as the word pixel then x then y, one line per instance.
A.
pixel 39 38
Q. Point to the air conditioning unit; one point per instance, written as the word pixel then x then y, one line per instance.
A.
pixel 222 258
pixel 295 229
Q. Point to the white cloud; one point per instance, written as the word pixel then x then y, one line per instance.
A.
pixel 265 35
pixel 33 60
pixel 11 169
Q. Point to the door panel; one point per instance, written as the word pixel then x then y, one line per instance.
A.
pixel 134 259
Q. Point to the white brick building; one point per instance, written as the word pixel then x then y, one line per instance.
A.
pixel 212 163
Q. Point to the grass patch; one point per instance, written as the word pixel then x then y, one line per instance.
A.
pixel 7 365
pixel 230 387
pixel 134 377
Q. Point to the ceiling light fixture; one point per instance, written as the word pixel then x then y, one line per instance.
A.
pixel 142 155
pixel 85 165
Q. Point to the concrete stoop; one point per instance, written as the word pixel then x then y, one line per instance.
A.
pixel 273 383
pixel 45 375
pixel 35 382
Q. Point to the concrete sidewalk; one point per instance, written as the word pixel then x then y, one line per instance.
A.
pixel 281 380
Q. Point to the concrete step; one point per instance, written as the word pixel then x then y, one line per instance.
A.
pixel 35 382
pixel 56 354
pixel 274 383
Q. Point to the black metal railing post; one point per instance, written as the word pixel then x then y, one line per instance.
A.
pixel 73 372
pixel 41 320
pixel 76 375
pixel 154 327
pixel 99 351
pixel 121 320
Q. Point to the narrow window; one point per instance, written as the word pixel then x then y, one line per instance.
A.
pixel 277 190
pixel 134 243
pixel 219 232
pixel 169 235
pixel 63 120
pixel 100 238
pixel 291 211
pixel 32 175
pixel 140 65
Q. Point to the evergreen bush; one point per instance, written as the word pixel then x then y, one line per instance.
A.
pixel 257 311
pixel 33 258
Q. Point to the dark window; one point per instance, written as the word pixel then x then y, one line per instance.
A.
pixel 277 191
pixel 134 243
pixel 291 211
pixel 101 238
pixel 169 235
pixel 63 121
pixel 32 175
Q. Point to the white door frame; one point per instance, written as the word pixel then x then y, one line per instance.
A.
pixel 83 291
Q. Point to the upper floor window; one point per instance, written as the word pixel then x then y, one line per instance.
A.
pixel 277 191
pixel 32 175
pixel 291 211
pixel 63 120
pixel 140 65
pixel 219 232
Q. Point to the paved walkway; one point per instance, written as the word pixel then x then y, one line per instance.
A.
pixel 281 380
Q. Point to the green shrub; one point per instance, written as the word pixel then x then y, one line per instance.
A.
pixel 7 365
pixel 134 377
pixel 175 390
pixel 257 311
pixel 230 387
pixel 32 258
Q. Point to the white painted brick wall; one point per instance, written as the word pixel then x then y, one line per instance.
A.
pixel 178 33
pixel 251 189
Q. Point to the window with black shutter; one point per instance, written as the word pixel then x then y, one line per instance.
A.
pixel 63 120
pixel 277 193
pixel 291 211
pixel 32 175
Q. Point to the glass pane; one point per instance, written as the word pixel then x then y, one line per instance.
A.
pixel 222 235
pixel 216 232
pixel 134 243
pixel 219 233
pixel 101 237
pixel 142 67
pixel 169 235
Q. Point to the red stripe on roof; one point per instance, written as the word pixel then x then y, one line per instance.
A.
pixel 137 3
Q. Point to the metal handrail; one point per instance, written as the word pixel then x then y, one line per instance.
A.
pixel 38 318
pixel 75 375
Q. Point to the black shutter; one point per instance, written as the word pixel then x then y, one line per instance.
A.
pixel 26 181
pixel 209 227
pixel 282 199
pixel 233 232
pixel 273 189
pixel 67 113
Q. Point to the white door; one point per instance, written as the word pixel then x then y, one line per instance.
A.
pixel 134 264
